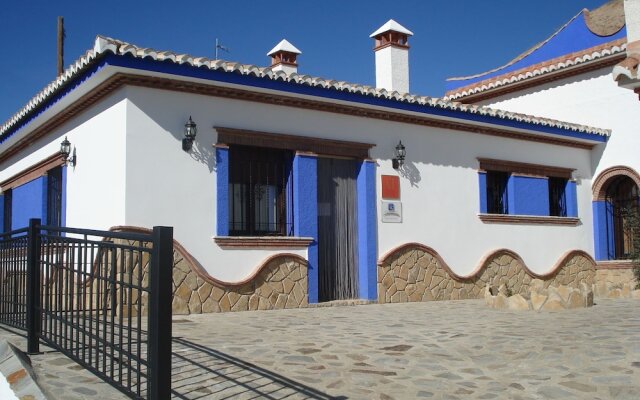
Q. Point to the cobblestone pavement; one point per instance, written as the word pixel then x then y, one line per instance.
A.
pixel 439 350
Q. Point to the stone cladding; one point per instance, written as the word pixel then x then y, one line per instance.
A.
pixel 280 282
pixel 415 272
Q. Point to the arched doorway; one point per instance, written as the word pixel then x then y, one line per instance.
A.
pixel 615 190
pixel 621 197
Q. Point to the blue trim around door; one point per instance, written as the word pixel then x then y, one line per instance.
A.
pixel 367 231
pixel 305 214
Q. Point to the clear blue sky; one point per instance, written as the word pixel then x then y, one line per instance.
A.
pixel 451 37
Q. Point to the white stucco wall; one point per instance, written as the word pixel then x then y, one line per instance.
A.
pixel 167 186
pixel 592 99
pixel 95 190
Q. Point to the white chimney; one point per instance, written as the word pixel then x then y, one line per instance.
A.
pixel 284 57
pixel 392 56
pixel 632 20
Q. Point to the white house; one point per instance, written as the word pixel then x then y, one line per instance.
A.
pixel 299 190
pixel 568 76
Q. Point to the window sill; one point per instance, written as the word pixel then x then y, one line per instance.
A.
pixel 528 219
pixel 262 242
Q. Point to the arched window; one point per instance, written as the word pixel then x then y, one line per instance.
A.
pixel 621 199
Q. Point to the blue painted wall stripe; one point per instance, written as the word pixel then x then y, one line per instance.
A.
pixel 367 231
pixel 305 212
pixel 571 197
pixel 482 190
pixel 528 195
pixel 29 201
pixel 600 230
pixel 222 192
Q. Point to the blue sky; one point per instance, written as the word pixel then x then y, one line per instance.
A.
pixel 451 37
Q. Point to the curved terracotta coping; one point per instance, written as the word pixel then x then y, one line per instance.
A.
pixel 486 260
pixel 599 186
pixel 199 269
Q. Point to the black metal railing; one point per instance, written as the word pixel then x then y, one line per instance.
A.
pixel 13 278
pixel 101 298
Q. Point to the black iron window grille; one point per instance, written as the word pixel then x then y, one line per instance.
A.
pixel 260 192
pixel 557 197
pixel 54 197
pixel 497 197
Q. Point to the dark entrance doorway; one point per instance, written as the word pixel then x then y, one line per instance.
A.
pixel 337 229
pixel 621 197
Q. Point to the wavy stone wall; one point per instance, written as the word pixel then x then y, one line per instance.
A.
pixel 415 272
pixel 280 282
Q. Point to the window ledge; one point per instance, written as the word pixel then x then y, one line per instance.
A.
pixel 614 264
pixel 262 242
pixel 528 219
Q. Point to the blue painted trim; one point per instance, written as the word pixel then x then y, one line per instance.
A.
pixel 511 195
pixel 147 64
pixel 1 212
pixel 29 201
pixel 571 197
pixel 70 86
pixel 367 231
pixel 482 190
pixel 600 230
pixel 222 194
pixel 305 214
pixel 63 201
pixel 169 67
pixel 528 195
pixel 575 37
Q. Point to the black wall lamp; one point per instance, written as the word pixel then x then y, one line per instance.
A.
pixel 190 132
pixel 65 150
pixel 401 152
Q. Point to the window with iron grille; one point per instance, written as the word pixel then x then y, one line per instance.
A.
pixel 557 197
pixel 497 192
pixel 7 210
pixel 260 192
pixel 54 197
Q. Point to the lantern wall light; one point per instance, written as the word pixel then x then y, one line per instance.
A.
pixel 65 151
pixel 400 153
pixel 190 132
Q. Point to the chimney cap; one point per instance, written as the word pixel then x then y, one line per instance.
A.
pixel 284 45
pixel 391 25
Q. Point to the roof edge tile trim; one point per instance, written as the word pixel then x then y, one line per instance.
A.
pixel 551 66
pixel 104 45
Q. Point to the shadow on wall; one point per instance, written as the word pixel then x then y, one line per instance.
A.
pixel 411 173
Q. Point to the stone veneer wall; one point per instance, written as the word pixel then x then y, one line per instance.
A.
pixel 280 282
pixel 614 283
pixel 417 273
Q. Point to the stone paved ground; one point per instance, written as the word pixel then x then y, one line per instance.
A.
pixel 440 350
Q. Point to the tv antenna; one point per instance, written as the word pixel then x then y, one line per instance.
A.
pixel 219 46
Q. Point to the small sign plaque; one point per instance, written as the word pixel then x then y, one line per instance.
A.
pixel 391 211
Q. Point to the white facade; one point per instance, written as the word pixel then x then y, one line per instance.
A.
pixel 592 98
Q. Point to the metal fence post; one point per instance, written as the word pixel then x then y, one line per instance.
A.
pixel 160 298
pixel 34 319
